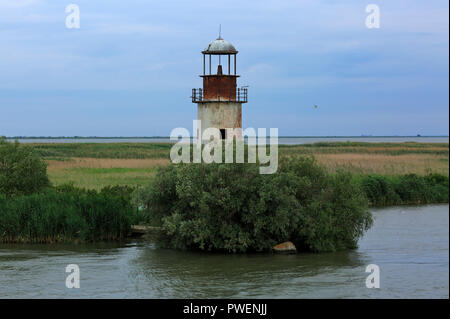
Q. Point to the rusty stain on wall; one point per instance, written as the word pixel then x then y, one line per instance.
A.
pixel 219 86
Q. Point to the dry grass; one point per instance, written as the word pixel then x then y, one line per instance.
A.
pixel 401 148
pixel 105 163
pixel 385 164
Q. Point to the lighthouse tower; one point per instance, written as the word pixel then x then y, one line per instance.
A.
pixel 220 101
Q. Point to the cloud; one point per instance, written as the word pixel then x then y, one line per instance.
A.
pixel 290 52
pixel 18 3
pixel 262 68
pixel 126 29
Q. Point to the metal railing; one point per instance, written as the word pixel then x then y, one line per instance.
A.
pixel 240 96
pixel 197 95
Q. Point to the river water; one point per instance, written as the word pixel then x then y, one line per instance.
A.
pixel 409 244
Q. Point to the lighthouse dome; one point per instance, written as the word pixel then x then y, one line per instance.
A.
pixel 220 46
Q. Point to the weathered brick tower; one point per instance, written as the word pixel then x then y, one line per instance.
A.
pixel 220 101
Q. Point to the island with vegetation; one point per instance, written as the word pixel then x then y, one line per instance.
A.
pixel 318 199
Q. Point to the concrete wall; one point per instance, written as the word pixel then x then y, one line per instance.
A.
pixel 221 115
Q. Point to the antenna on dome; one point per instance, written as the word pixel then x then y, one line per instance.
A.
pixel 220 32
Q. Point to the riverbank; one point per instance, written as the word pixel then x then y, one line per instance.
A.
pixel 107 212
pixel 67 214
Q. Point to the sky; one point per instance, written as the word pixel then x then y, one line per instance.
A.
pixel 130 68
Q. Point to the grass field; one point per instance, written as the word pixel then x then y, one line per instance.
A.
pixel 95 165
pixel 99 172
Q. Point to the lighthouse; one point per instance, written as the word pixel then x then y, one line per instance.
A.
pixel 219 102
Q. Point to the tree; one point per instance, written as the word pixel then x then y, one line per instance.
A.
pixel 234 208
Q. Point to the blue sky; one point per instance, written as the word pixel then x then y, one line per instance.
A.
pixel 130 68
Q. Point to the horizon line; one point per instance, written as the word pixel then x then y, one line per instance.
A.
pixel 168 137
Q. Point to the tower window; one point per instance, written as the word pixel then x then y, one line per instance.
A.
pixel 222 133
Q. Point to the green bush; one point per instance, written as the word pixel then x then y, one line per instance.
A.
pixel 380 190
pixel 66 214
pixel 22 171
pixel 438 185
pixel 410 189
pixel 123 191
pixel 233 208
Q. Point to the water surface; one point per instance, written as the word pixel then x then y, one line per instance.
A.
pixel 409 244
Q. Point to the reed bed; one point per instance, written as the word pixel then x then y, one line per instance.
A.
pixel 67 214
pixel 62 151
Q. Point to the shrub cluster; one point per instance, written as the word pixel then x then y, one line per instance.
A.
pixel 408 189
pixel 67 214
pixel 22 170
pixel 233 208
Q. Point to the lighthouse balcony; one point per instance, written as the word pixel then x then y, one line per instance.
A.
pixel 239 95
